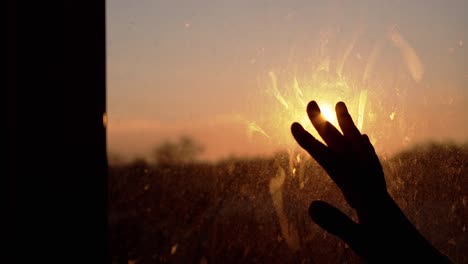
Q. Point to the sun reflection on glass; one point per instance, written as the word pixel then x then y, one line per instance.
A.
pixel 328 113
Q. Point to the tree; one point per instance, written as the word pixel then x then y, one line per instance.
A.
pixel 184 151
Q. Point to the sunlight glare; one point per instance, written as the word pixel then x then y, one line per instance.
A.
pixel 328 113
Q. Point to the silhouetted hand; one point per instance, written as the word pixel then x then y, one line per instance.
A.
pixel 383 233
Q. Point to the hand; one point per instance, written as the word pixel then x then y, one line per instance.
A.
pixel 383 233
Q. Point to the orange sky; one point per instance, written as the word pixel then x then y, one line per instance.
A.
pixel 213 70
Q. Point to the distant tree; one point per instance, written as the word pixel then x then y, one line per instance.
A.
pixel 115 159
pixel 186 150
pixel 139 162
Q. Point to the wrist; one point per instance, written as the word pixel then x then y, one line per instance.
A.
pixel 403 236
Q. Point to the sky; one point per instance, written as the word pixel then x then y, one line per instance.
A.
pixel 233 75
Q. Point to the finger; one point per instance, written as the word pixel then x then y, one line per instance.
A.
pixel 367 143
pixel 326 130
pixel 371 153
pixel 350 131
pixel 337 223
pixel 315 148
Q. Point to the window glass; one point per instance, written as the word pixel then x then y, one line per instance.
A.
pixel 201 96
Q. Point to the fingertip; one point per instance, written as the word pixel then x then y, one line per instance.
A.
pixel 331 219
pixel 341 108
pixel 339 224
pixel 296 131
pixel 313 109
pixel 296 126
pixel 365 137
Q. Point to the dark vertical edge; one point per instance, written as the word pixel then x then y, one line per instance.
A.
pixel 55 140
pixel 85 43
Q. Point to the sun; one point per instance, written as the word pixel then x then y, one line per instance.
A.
pixel 328 113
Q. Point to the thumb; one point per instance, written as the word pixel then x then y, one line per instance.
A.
pixel 336 222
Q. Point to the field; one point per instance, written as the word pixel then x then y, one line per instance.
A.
pixel 255 210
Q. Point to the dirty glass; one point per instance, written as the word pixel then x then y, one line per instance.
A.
pixel 201 96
